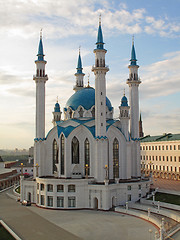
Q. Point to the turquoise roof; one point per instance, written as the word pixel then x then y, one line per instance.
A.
pixel 133 55
pixel 57 107
pixel 124 101
pixel 99 42
pixel 79 65
pixel 161 138
pixel 86 98
pixel 40 51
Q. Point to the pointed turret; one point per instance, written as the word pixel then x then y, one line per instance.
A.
pixel 57 113
pixel 141 133
pixel 124 116
pixel 79 75
pixel 100 43
pixel 133 59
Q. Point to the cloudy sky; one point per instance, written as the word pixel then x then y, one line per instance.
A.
pixel 68 24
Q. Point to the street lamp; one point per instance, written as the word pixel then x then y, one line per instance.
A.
pixel 150 234
pixel 22 169
pixel 106 169
pixel 86 170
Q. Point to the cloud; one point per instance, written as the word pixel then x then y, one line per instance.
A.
pixel 64 18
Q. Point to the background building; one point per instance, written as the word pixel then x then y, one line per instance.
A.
pixel 161 156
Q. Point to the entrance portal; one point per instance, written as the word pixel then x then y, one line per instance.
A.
pixel 95 203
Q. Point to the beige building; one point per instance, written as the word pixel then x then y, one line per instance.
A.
pixel 160 155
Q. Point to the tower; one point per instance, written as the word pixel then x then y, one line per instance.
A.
pixel 79 75
pixel 124 116
pixel 56 114
pixel 40 79
pixel 133 83
pixel 141 134
pixel 100 69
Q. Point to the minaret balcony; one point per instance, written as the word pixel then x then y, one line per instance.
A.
pixel 106 68
pixel 45 77
pixel 132 80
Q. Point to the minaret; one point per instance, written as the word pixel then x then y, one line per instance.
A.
pixel 79 75
pixel 40 79
pixel 56 114
pixel 124 116
pixel 133 83
pixel 100 69
pixel 141 134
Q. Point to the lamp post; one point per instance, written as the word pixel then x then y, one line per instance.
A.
pixel 106 169
pixel 22 169
pixel 150 164
pixel 150 234
pixel 86 170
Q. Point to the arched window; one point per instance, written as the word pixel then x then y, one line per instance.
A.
pixel 87 156
pixel 55 156
pixel 62 154
pixel 75 150
pixel 70 113
pixel 81 112
pixel 40 73
pixel 93 112
pixel 97 63
pixel 43 73
pixel 37 72
pixel 115 158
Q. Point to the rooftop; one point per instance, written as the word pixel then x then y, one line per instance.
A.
pixel 161 138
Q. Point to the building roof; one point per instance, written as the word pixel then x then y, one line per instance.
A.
pixel 25 164
pixel 57 107
pixel 85 98
pixel 124 101
pixel 161 138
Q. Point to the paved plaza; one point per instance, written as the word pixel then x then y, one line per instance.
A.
pixel 32 223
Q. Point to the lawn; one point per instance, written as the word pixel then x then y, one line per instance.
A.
pixel 167 198
pixel 4 234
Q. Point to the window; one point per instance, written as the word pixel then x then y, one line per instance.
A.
pixel 178 147
pixel 153 158
pixel 37 186
pixel 159 158
pixel 101 124
pixel 171 158
pixel 152 147
pixel 179 159
pixel 171 169
pixel 115 158
pixel 60 188
pixel 50 201
pixel 55 156
pixel 175 169
pixel 167 168
pixel 146 157
pixel 42 187
pixel 62 154
pixel 60 201
pixel 156 147
pixel 159 167
pixel 156 158
pixel 140 148
pixel 71 202
pixel 174 147
pixel 87 156
pixel 162 147
pixel 159 147
pixel 129 187
pixel 143 147
pixel 139 186
pixel 167 158
pixel 163 158
pixel 129 197
pixel 149 147
pixel 146 147
pixel 42 199
pixel 93 112
pixel 81 112
pixel 139 195
pixel 37 198
pixel 170 147
pixel 75 150
pixel 150 158
pixel 175 159
pixel 71 188
pixel 166 147
pixel 164 168
pixel 50 188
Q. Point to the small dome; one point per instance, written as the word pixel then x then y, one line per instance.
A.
pixel 85 98
pixel 57 107
pixel 124 101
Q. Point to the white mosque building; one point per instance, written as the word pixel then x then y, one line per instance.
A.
pixel 88 160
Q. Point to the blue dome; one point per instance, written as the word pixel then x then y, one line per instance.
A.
pixel 124 101
pixel 86 98
pixel 57 107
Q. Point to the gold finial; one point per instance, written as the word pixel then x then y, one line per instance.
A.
pixel 79 49
pixel 41 33
pixel 133 39
pixel 57 99
pixel 88 80
pixel 99 19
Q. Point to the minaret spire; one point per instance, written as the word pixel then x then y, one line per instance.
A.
pixel 79 74
pixel 100 43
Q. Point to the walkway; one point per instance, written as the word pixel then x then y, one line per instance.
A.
pixel 27 224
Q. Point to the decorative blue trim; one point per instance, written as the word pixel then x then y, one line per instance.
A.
pixel 39 139
pixel 102 137
pixel 135 139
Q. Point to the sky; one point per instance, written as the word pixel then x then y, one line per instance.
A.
pixel 67 25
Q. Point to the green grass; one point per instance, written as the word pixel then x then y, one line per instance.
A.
pixel 4 234
pixel 18 190
pixel 167 198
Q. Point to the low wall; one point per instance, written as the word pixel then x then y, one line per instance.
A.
pixel 162 204
pixel 9 230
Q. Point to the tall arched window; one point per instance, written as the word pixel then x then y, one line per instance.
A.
pixel 62 154
pixel 55 156
pixel 81 112
pixel 115 158
pixel 93 112
pixel 75 150
pixel 87 156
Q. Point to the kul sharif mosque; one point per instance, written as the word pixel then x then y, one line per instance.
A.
pixel 88 159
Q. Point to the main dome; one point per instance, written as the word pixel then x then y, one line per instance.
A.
pixel 85 98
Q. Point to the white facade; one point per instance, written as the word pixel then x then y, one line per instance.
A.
pixel 89 159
